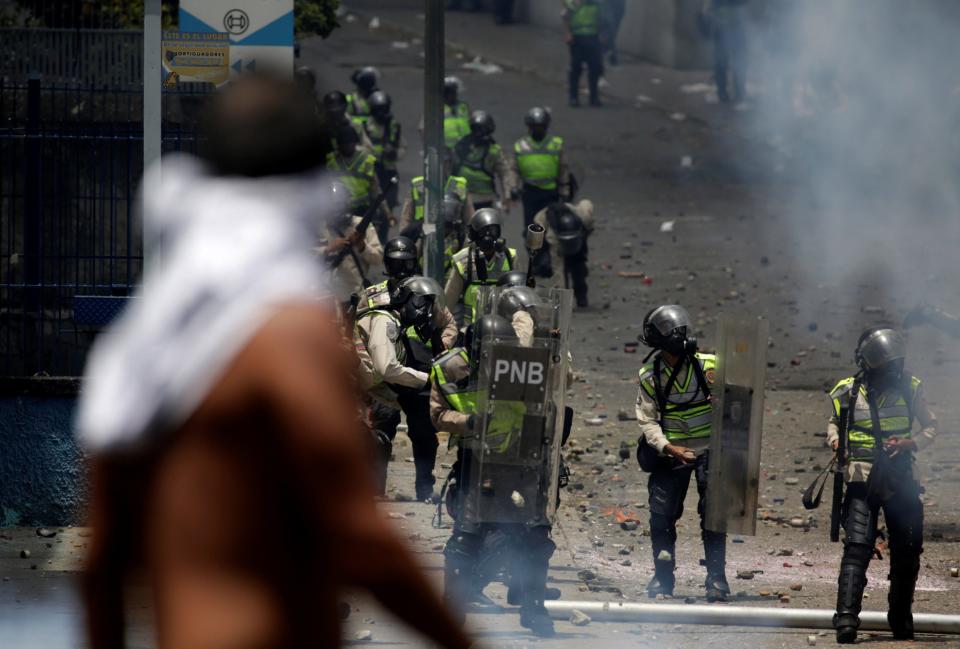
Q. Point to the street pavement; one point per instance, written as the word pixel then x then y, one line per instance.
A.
pixel 701 199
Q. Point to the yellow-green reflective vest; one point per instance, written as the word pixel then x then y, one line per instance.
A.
pixel 688 414
pixel 381 135
pixel 456 184
pixel 375 296
pixel 362 343
pixel 358 107
pixel 584 18
pixel 465 263
pixel 456 123
pixel 478 168
pixel 357 176
pixel 896 416
pixel 539 162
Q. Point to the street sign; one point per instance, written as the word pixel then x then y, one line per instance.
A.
pixel 260 31
pixel 195 56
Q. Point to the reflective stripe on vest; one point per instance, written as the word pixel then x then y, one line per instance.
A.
pixel 892 409
pixel 456 123
pixel 683 418
pixel 477 168
pixel 584 19
pixel 377 295
pixel 463 397
pixel 380 137
pixel 500 264
pixel 358 107
pixel 539 162
pixel 357 176
pixel 456 184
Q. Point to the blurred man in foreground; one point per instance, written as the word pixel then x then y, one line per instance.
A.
pixel 227 458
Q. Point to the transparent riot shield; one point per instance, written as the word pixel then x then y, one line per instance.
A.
pixel 734 469
pixel 512 460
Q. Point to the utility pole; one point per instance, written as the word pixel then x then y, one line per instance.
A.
pixel 152 108
pixel 433 40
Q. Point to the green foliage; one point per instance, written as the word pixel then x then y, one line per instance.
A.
pixel 316 16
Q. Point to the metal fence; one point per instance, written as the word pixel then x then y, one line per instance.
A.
pixel 71 157
pixel 112 57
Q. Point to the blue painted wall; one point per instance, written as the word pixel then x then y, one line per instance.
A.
pixel 42 479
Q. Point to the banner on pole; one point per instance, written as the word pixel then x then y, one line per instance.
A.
pixel 195 57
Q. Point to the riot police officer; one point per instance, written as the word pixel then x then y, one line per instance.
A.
pixel 479 159
pixel 386 136
pixel 568 227
pixel 540 165
pixel 475 553
pixel 456 113
pixel 350 272
pixel 365 80
pixel 456 207
pixel 584 27
pixel 334 105
pixel 675 413
pixel 413 207
pixel 356 169
pixel 480 264
pixel 394 377
pixel 871 428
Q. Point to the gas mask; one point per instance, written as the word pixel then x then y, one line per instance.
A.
pixel 488 239
pixel 416 311
pixel 678 344
pixel 538 132
pixel 886 376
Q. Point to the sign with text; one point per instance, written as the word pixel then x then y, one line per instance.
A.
pixel 195 57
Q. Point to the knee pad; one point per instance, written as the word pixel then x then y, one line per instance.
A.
pixel 859 523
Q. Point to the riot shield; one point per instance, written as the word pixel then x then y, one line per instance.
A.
pixel 734 469
pixel 513 457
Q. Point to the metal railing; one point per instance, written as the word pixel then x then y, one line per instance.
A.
pixel 112 57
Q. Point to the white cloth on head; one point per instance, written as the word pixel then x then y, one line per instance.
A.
pixel 230 251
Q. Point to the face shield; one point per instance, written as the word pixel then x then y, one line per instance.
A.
pixel 400 268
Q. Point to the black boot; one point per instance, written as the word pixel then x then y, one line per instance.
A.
pixel 663 543
pixel 715 549
pixel 903 581
pixel 850 585
pixel 460 584
pixel 663 581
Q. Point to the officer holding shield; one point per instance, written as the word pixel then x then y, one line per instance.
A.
pixel 675 414
pixel 568 227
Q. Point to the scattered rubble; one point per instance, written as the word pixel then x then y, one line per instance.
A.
pixel 579 618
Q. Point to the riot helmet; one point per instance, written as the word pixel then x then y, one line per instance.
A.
pixel 380 104
pixel 452 87
pixel 880 354
pixel 517 298
pixel 452 209
pixel 484 229
pixel 400 258
pixel 568 228
pixel 488 326
pixel 414 299
pixel 537 121
pixel 347 140
pixel 665 328
pixel 335 104
pixel 513 278
pixel 366 79
pixel 482 124
pixel 306 78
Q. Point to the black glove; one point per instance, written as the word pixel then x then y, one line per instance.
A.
pixel 471 422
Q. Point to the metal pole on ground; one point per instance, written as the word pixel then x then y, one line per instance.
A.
pixel 794 618
pixel 433 40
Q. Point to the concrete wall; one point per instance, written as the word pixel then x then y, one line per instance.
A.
pixel 42 478
pixel 660 31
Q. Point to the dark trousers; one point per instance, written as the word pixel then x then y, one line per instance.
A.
pixel 903 513
pixel 422 434
pixel 729 57
pixel 575 275
pixel 667 490
pixel 585 51
pixel 535 199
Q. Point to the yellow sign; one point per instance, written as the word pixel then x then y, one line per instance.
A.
pixel 195 56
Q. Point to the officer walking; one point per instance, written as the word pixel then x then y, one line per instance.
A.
pixel 358 102
pixel 584 28
pixel 540 164
pixel 456 207
pixel 675 415
pixel 456 113
pixel 480 160
pixel 871 428
pixel 384 132
pixel 383 347
pixel 334 105
pixel 480 264
pixel 472 552
pixel 568 227
pixel 357 171
pixel 413 207
pixel 350 272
